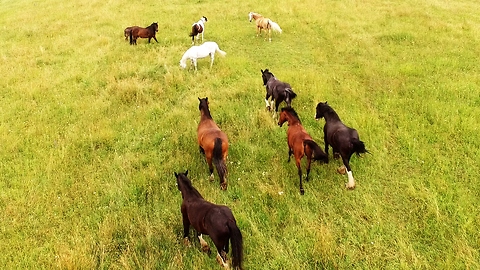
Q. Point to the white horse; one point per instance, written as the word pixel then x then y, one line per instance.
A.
pixel 201 51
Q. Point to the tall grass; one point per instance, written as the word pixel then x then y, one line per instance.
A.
pixel 92 130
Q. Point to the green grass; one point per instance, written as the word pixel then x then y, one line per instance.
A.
pixel 92 130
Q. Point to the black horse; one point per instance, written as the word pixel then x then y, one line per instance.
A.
pixel 148 32
pixel 217 221
pixel 344 140
pixel 279 91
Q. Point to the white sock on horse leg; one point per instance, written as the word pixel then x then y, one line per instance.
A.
pixel 351 181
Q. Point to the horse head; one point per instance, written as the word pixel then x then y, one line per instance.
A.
pixel 155 26
pixel 250 16
pixel 182 179
pixel 266 75
pixel 288 114
pixel 321 110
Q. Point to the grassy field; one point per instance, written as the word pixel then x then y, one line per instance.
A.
pixel 93 129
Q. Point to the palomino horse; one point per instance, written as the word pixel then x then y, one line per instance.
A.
pixel 213 142
pixel 279 91
pixel 300 143
pixel 207 218
pixel 148 32
pixel 264 24
pixel 201 51
pixel 198 28
pixel 344 140
pixel 127 31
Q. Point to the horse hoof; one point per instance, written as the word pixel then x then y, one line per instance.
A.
pixel 206 249
pixel 342 170
pixel 268 108
pixel 350 187
pixel 336 155
pixel 211 178
pixel 223 186
pixel 302 191
pixel 186 242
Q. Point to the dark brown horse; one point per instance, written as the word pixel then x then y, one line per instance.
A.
pixel 207 218
pixel 127 31
pixel 148 32
pixel 300 143
pixel 198 28
pixel 213 142
pixel 344 140
pixel 279 91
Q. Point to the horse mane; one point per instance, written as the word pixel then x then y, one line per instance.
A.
pixel 203 106
pixel 187 184
pixel 330 111
pixel 291 111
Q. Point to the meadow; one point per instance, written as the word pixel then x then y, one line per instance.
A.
pixel 93 129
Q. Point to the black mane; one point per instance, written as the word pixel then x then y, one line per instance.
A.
pixel 292 112
pixel 203 105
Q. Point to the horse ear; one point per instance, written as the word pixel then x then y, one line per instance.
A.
pixel 326 102
pixel 199 99
pixel 261 70
pixel 186 172
pixel 176 175
pixel 206 99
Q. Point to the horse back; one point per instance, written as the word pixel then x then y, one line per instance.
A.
pixel 218 217
pixel 296 135
pixel 208 131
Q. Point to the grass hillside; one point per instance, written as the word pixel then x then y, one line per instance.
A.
pixel 93 129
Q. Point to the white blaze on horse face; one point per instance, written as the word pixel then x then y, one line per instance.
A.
pixel 351 181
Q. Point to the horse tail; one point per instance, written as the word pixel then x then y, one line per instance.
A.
pixel 218 159
pixel 318 153
pixel 275 26
pixel 131 36
pixel 237 244
pixel 222 53
pixel 290 93
pixel 194 28
pixel 358 147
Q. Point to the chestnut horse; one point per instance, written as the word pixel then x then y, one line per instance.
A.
pixel 198 28
pixel 148 32
pixel 344 140
pixel 278 91
pixel 300 143
pixel 214 220
pixel 213 143
pixel 264 24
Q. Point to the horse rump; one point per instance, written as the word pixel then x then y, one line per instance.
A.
pixel 318 153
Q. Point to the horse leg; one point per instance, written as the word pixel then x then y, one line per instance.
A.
pixel 309 161
pixel 220 243
pixel 212 57
pixel 194 62
pixel 269 35
pixel 155 39
pixel 186 228
pixel 297 160
pixel 267 104
pixel 351 181
pixel 201 150
pixel 290 152
pixel 204 244
pixel 210 166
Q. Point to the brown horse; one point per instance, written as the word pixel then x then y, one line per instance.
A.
pixel 300 143
pixel 213 142
pixel 127 31
pixel 198 28
pixel 214 220
pixel 264 24
pixel 344 140
pixel 148 32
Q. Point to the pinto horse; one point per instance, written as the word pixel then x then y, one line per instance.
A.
pixel 214 220
pixel 278 91
pixel 344 140
pixel 198 28
pixel 300 143
pixel 213 143
pixel 264 24
pixel 148 32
